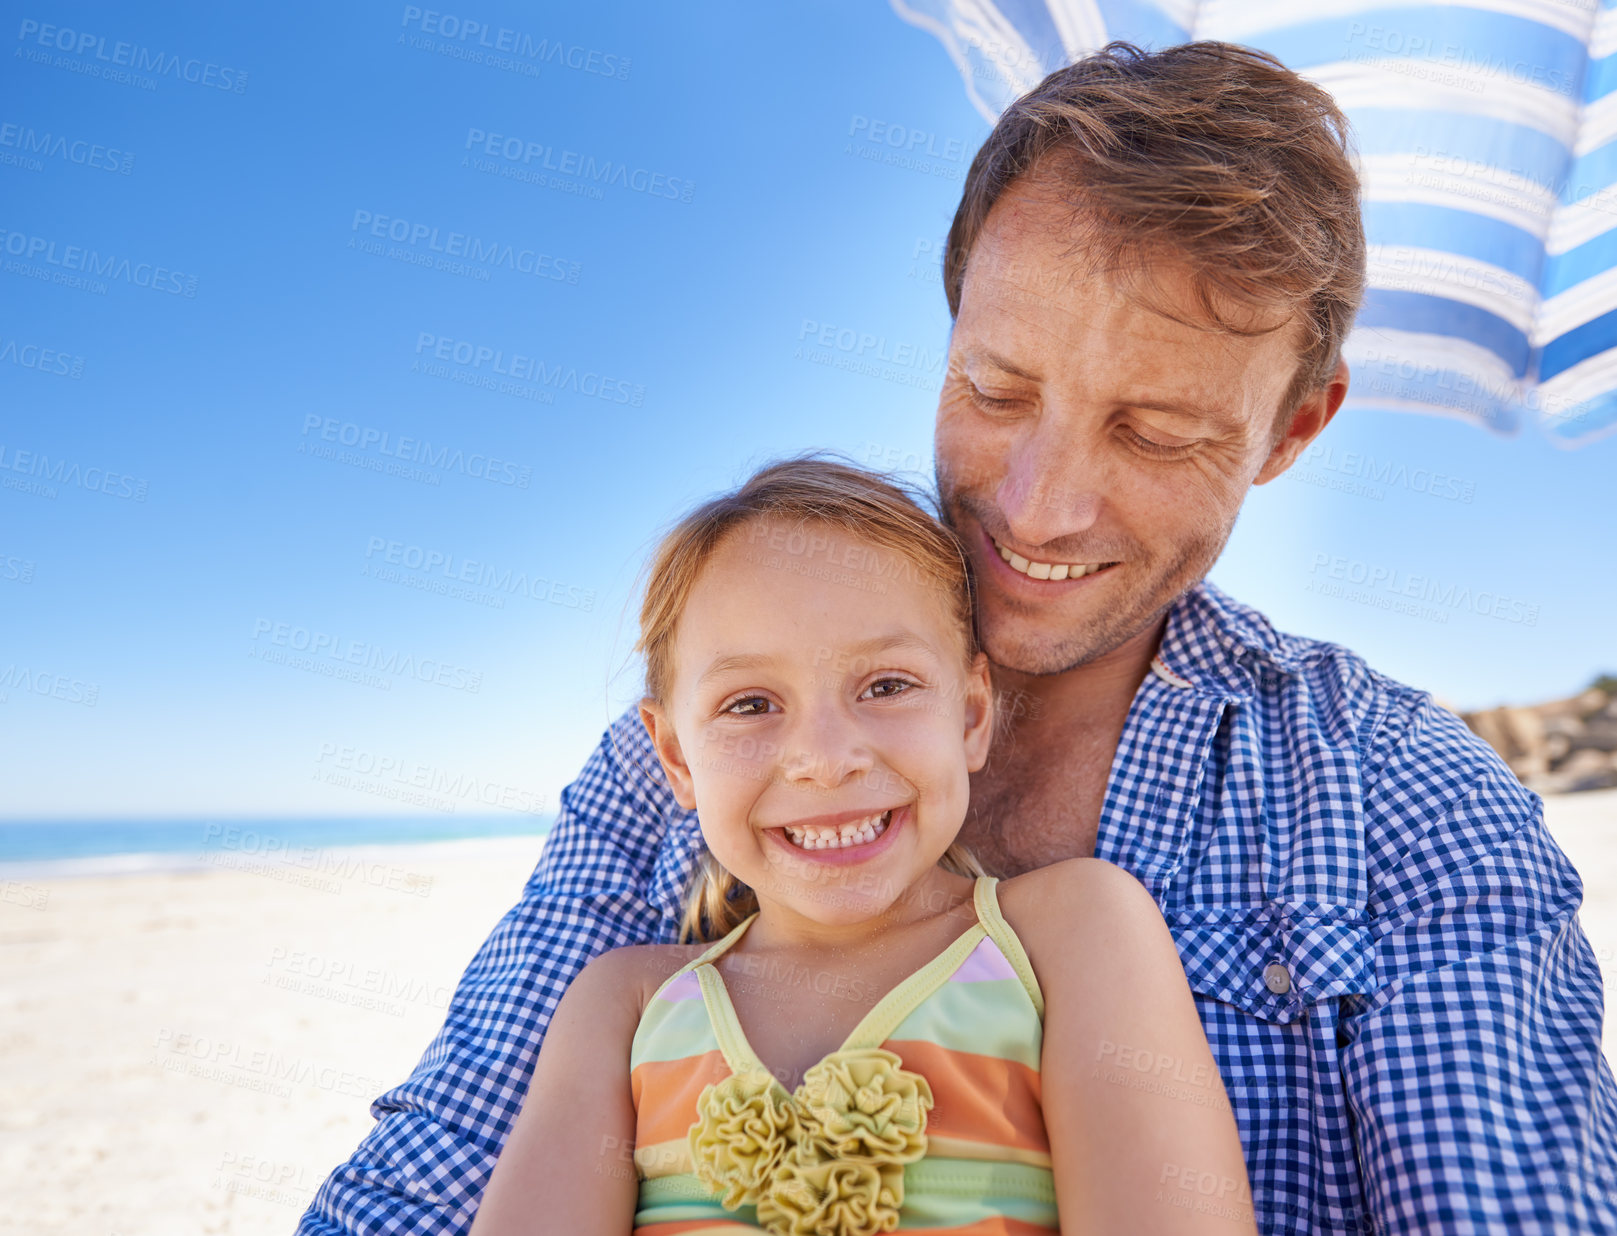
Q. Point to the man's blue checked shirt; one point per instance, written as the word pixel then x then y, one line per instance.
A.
pixel 1380 934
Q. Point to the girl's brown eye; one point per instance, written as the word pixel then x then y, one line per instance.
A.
pixel 732 708
pixel 902 684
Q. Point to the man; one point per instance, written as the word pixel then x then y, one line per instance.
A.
pixel 1153 267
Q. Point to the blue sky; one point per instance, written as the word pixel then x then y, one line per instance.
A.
pixel 363 382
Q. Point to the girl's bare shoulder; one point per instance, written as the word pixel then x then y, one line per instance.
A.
pixel 641 965
pixel 632 974
pixel 1083 902
pixel 1074 884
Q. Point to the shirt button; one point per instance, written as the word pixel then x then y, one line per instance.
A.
pixel 1276 978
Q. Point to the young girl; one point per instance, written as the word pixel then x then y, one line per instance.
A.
pixel 866 1030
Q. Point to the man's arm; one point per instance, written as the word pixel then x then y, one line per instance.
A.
pixel 1480 1098
pixel 603 873
pixel 567 1165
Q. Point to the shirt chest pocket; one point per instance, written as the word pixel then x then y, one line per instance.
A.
pixel 1273 962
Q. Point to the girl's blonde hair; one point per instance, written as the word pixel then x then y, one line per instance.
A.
pixel 813 489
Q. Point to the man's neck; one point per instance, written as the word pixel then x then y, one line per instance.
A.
pixel 1094 695
pixel 1040 797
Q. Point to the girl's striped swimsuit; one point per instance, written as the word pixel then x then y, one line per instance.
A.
pixel 970 1022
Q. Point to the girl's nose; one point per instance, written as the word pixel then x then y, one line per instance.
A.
pixel 825 750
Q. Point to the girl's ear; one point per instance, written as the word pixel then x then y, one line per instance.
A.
pixel 669 755
pixel 979 712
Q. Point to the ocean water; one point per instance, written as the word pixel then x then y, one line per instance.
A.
pixel 43 848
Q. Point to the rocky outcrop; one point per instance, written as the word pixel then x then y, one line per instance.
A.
pixel 1557 748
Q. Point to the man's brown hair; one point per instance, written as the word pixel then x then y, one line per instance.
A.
pixel 1211 154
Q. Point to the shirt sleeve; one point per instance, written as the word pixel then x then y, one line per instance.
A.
pixel 424 1164
pixel 1479 1096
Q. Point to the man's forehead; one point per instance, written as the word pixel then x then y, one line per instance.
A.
pixel 1101 330
pixel 1024 334
pixel 1041 246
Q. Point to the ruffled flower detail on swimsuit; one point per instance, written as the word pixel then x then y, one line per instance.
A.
pixel 837 1198
pixel 863 1104
pixel 747 1125
pixel 827 1160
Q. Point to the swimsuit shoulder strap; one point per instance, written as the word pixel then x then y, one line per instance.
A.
pixel 713 951
pixel 999 931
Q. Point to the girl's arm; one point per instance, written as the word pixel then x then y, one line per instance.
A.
pixel 1142 1136
pixel 568 1165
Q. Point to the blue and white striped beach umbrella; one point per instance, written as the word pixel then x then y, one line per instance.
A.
pixel 1487 136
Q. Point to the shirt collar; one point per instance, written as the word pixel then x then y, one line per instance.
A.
pixel 1213 643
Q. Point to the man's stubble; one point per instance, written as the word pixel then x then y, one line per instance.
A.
pixel 1046 652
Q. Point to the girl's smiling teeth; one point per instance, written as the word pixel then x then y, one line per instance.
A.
pixel 840 836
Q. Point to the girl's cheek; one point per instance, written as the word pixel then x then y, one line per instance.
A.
pixel 731 762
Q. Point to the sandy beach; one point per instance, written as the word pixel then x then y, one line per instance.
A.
pixel 193 1051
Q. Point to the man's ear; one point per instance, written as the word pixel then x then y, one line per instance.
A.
pixel 669 754
pixel 979 713
pixel 1311 417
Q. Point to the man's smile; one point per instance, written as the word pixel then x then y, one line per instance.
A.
pixel 1052 571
